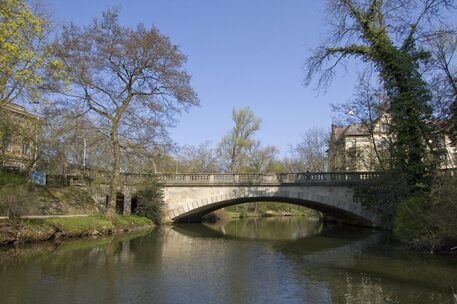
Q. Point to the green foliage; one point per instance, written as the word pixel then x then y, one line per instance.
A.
pixel 23 56
pixel 411 222
pixel 265 208
pixel 368 30
pixel 383 195
pixel 234 146
pixel 14 200
pixel 131 222
pixel 410 111
pixel 429 220
pixel 8 179
pixel 150 201
pixel 14 194
pixel 77 226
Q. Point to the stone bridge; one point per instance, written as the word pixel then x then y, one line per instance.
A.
pixel 190 196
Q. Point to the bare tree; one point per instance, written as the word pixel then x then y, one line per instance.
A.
pixel 310 154
pixel 71 141
pixel 131 81
pixel 261 159
pixel 201 158
pixel 369 108
pixel 443 83
pixel 233 146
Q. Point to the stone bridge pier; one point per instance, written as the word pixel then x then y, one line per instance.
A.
pixel 125 196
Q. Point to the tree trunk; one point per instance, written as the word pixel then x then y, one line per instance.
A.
pixel 115 175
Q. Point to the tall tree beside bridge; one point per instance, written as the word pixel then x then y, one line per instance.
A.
pixel 387 35
pixel 233 147
pixel 131 81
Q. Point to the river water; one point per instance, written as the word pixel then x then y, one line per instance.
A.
pixel 265 260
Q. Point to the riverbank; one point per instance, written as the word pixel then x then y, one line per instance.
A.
pixel 35 230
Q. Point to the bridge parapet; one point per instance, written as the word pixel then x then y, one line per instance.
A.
pixel 224 179
pixel 267 179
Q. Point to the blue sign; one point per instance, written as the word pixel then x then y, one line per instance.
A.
pixel 38 178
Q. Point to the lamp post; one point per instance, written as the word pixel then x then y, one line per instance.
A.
pixel 154 164
pixel 84 150
pixel 84 153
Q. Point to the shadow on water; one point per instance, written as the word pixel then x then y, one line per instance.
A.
pixel 266 229
pixel 197 230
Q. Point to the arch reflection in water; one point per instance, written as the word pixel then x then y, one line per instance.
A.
pixel 269 228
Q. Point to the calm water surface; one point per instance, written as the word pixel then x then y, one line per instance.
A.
pixel 267 260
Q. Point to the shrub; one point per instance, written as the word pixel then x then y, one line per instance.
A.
pixel 14 200
pixel 383 195
pixel 150 201
pixel 411 224
pixel 429 220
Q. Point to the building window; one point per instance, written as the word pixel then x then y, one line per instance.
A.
pixel 25 149
pixel 354 142
pixel 6 142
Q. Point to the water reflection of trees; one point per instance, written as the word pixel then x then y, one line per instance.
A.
pixel 194 263
pixel 277 228
pixel 58 272
pixel 365 271
pixel 340 265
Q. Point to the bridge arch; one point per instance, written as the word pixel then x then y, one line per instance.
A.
pixel 193 211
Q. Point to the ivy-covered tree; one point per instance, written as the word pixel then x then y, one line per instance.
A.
pixel 386 35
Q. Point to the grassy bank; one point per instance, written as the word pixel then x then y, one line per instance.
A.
pixel 266 209
pixel 32 230
pixel 244 212
pixel 19 197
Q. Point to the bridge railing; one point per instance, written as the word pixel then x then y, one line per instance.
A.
pixel 266 178
pixel 234 179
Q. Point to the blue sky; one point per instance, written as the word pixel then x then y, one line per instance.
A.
pixel 240 53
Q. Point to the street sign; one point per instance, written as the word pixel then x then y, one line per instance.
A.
pixel 38 178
